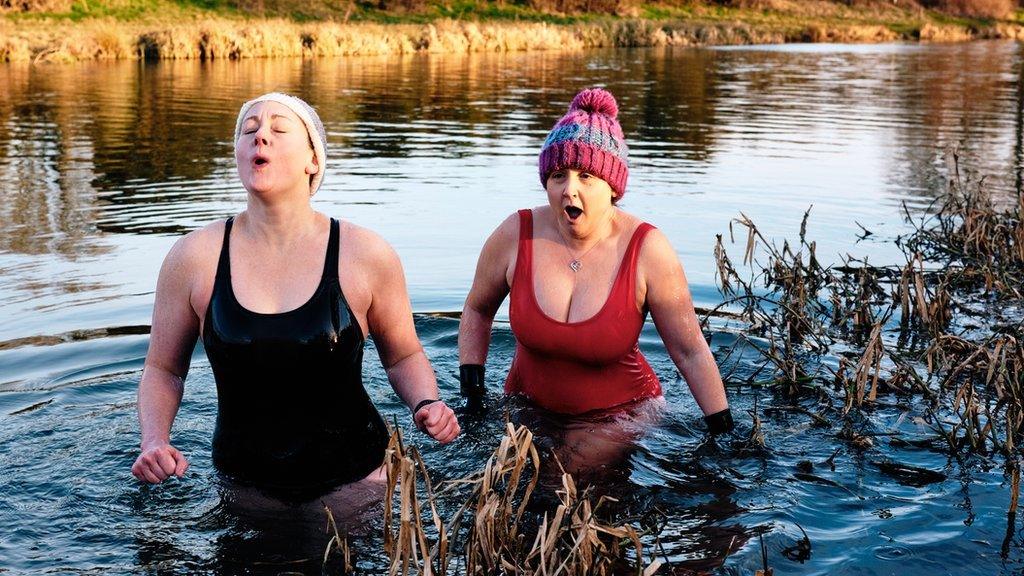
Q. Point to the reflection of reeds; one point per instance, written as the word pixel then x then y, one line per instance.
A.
pixel 489 526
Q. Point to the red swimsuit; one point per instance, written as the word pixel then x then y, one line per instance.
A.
pixel 576 367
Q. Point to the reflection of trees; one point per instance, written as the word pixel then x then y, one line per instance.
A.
pixel 957 96
pixel 146 147
pixel 160 122
pixel 45 168
pixel 460 104
pixel 678 105
pixel 1018 129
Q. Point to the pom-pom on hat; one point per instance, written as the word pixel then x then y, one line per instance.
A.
pixel 588 138
pixel 309 117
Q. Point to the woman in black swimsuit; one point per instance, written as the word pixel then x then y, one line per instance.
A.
pixel 283 298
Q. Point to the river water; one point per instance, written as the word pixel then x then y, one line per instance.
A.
pixel 104 165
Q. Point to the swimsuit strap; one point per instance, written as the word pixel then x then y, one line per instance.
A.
pixel 333 250
pixel 630 260
pixel 224 262
pixel 524 256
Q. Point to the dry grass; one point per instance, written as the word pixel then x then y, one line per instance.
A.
pixel 185 30
pixel 278 38
pixel 488 533
pixel 779 300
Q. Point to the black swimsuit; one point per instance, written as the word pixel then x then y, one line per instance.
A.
pixel 293 416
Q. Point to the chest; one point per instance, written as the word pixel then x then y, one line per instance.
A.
pixel 572 293
pixel 267 284
pixel 275 283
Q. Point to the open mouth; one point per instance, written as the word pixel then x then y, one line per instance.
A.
pixel 573 212
pixel 260 161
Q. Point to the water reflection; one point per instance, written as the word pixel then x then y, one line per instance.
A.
pixel 96 154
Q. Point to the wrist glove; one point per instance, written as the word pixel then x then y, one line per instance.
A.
pixel 471 380
pixel 719 422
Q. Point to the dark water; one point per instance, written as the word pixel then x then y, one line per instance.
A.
pixel 102 166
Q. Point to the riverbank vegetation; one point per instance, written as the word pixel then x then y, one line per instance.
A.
pixel 936 337
pixel 67 30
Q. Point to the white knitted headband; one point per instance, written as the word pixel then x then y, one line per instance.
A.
pixel 309 117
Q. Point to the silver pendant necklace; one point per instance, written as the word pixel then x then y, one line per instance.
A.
pixel 576 262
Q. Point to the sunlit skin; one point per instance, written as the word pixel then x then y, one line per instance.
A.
pixel 272 272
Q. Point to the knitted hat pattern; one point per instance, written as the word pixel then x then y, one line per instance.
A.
pixel 588 138
pixel 309 117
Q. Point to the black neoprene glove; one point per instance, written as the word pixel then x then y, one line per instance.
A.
pixel 471 380
pixel 719 422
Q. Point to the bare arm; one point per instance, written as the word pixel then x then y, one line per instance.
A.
pixel 668 298
pixel 490 287
pixel 172 338
pixel 390 322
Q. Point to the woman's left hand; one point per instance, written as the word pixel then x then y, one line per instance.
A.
pixel 439 421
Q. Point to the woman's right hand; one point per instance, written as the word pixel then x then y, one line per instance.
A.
pixel 438 421
pixel 158 462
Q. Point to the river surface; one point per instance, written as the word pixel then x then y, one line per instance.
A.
pixel 104 165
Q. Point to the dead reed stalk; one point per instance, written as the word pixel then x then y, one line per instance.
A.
pixel 974 383
pixel 570 540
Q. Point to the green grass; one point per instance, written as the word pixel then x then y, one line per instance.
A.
pixel 134 11
pixel 150 11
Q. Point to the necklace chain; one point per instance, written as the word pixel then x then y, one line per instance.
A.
pixel 576 262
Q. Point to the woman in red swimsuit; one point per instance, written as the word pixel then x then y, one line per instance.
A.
pixel 583 274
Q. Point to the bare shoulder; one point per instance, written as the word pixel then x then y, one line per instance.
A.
pixel 187 275
pixel 196 250
pixel 508 231
pixel 368 267
pixel 656 249
pixel 363 247
pixel 499 252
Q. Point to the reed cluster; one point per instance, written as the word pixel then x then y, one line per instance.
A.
pixel 942 327
pixel 493 531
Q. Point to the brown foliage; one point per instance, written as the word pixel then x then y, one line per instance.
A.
pixel 571 538
pixel 974 8
pixel 402 5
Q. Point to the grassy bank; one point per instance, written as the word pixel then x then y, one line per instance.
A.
pixel 66 30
